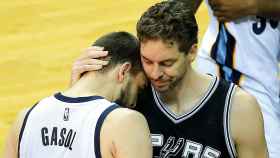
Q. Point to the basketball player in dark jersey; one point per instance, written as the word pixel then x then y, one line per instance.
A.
pixel 190 115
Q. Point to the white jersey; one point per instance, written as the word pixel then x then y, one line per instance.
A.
pixel 59 126
pixel 245 51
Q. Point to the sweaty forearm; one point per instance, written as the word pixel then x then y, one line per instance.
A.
pixel 269 8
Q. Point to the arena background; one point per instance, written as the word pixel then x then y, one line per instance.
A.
pixel 39 40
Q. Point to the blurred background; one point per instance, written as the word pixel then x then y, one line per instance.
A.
pixel 40 39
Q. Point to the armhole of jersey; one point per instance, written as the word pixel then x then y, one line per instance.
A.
pixel 98 129
pixel 23 127
pixel 226 122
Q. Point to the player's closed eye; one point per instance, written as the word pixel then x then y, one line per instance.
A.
pixel 147 61
pixel 167 63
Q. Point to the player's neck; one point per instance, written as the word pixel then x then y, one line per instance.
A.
pixel 90 85
pixel 188 92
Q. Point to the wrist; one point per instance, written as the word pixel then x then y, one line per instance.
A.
pixel 254 7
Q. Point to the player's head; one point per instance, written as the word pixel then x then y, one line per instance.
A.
pixel 168 35
pixel 124 65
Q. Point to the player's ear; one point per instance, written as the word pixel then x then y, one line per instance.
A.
pixel 192 52
pixel 123 71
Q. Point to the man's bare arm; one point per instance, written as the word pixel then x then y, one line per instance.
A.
pixel 269 8
pixel 125 134
pixel 247 126
pixel 11 146
pixel 194 3
pixel 226 10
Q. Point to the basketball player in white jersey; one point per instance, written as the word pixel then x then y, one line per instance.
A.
pixel 242 45
pixel 83 121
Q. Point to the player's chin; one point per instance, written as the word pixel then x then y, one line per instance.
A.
pixel 162 88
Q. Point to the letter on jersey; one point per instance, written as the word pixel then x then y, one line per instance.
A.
pixel 192 148
pixel 211 153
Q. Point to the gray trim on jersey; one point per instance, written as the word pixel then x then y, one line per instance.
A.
pixel 177 119
pixel 226 122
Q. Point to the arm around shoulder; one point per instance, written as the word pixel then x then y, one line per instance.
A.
pixel 247 126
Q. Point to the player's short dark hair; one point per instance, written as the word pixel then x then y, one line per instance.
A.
pixel 122 47
pixel 169 21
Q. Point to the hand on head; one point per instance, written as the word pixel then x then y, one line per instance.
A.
pixel 90 60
